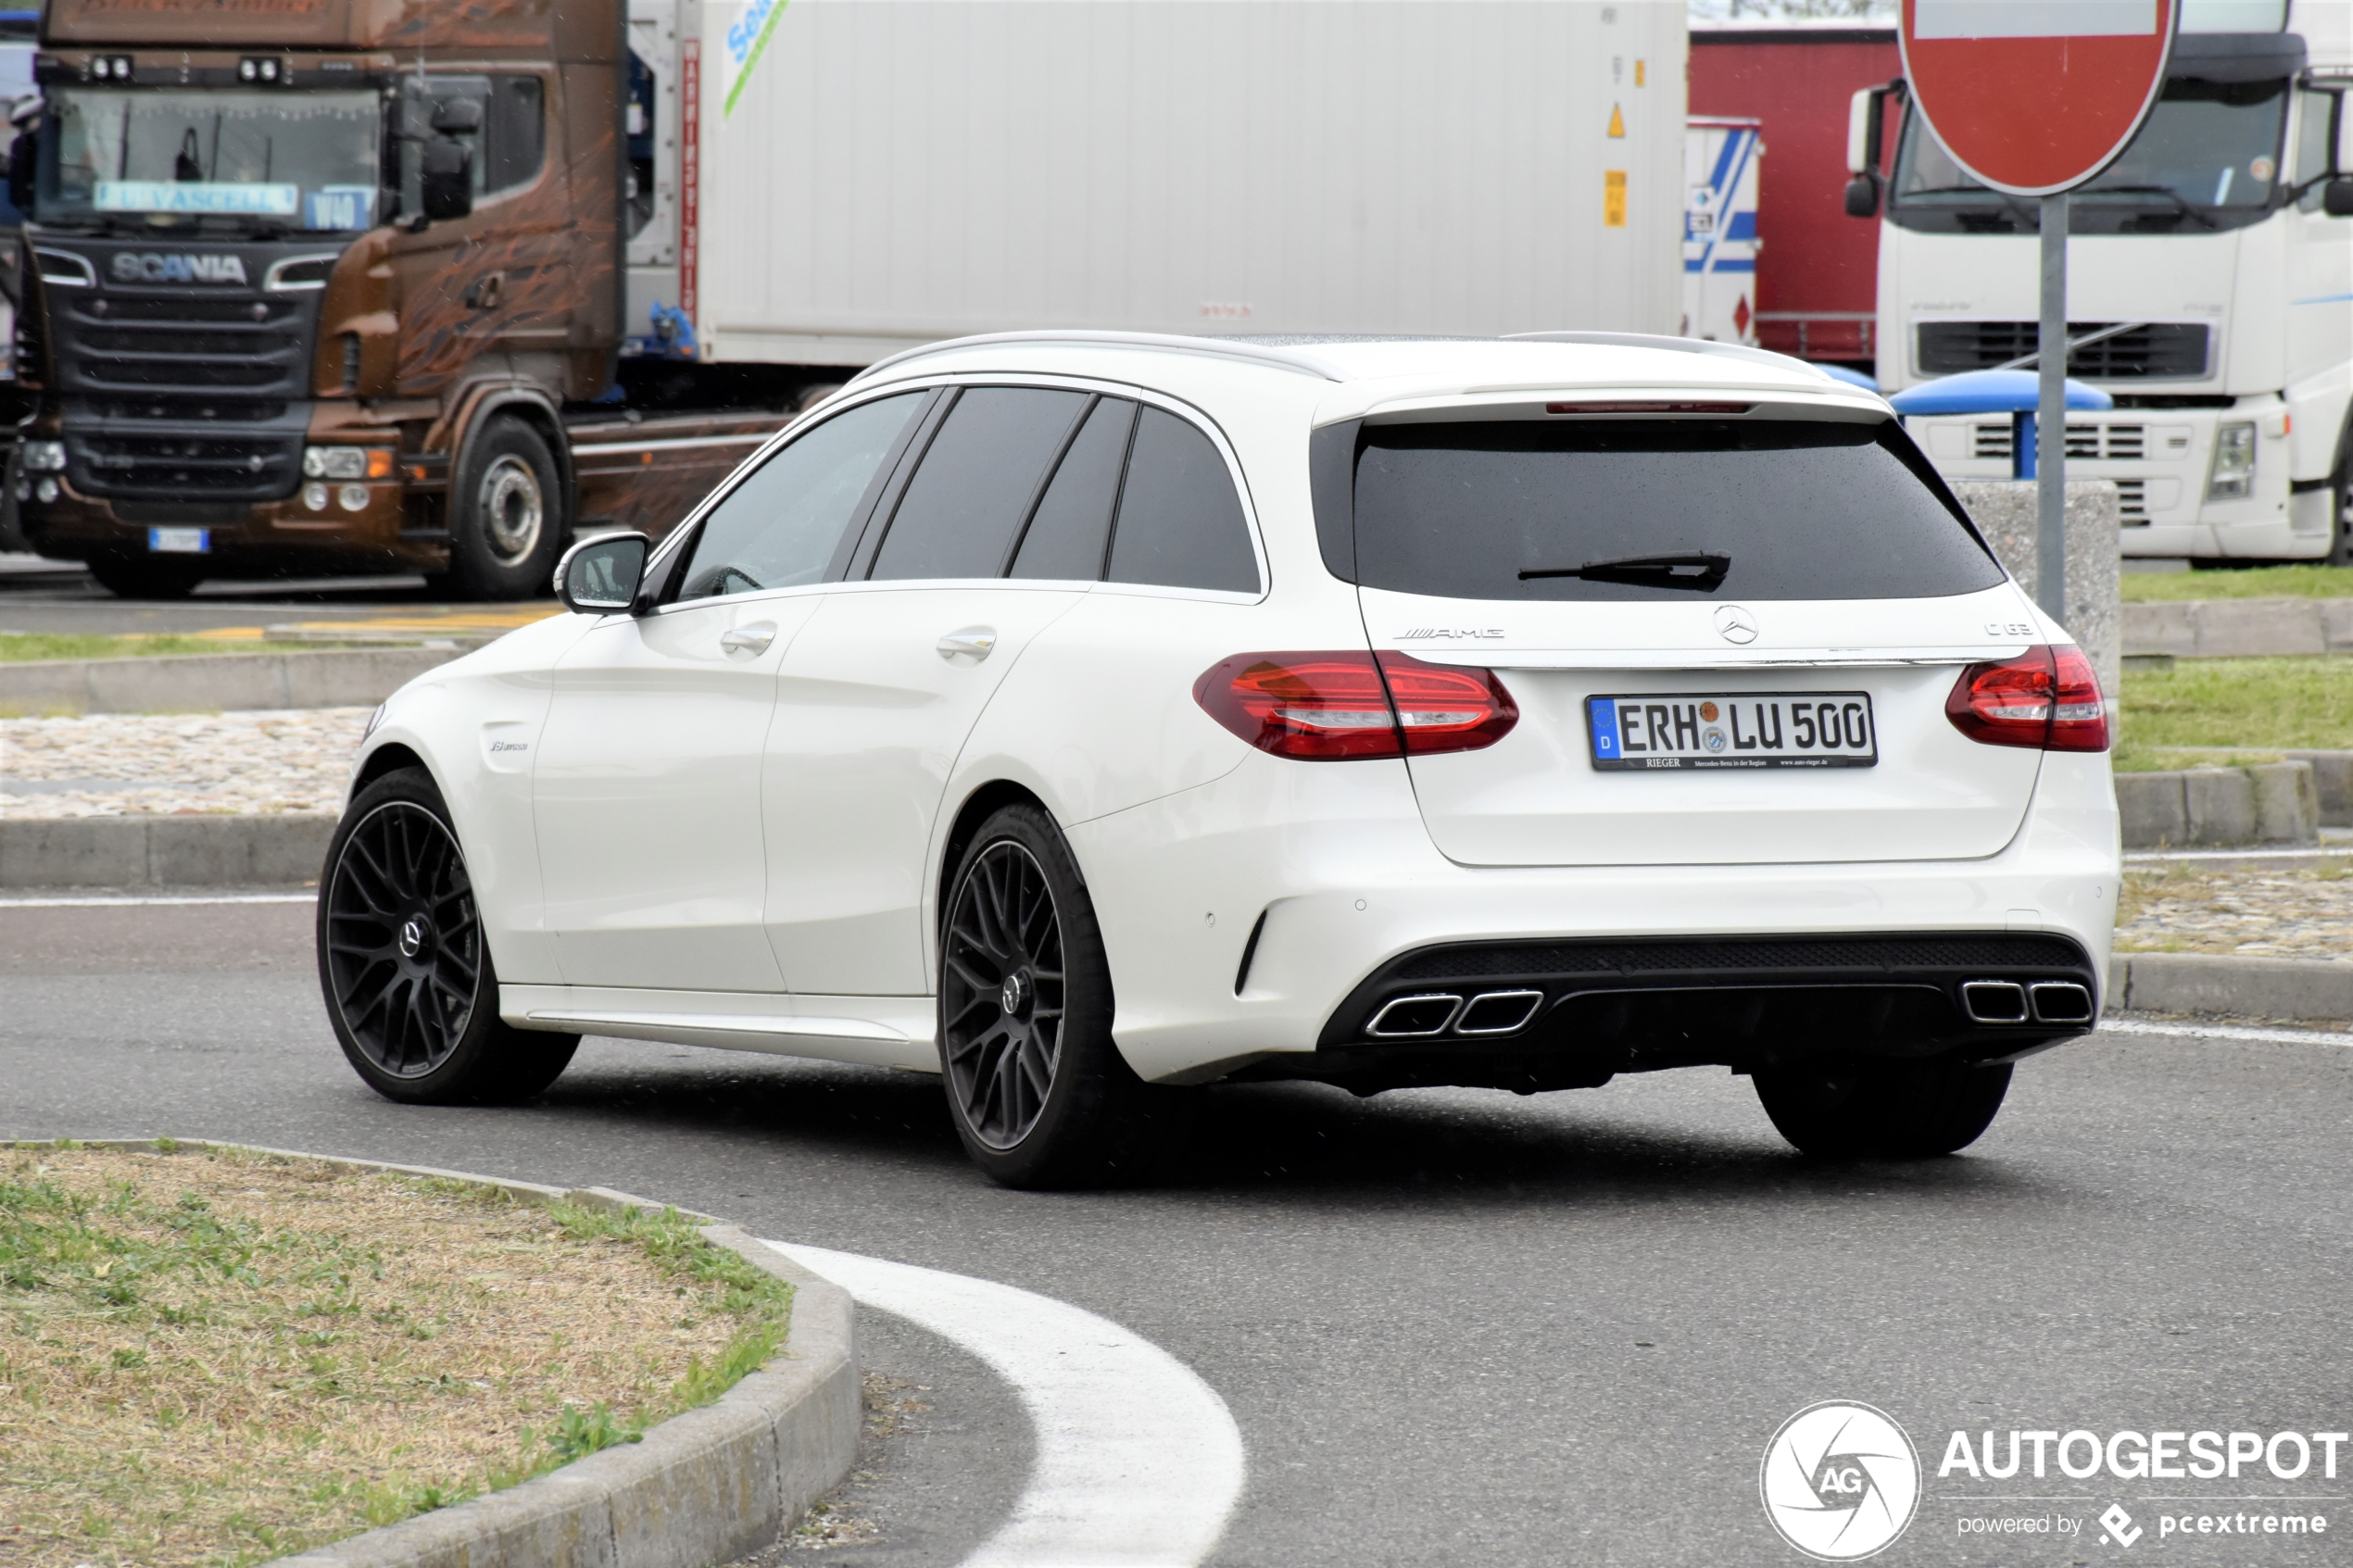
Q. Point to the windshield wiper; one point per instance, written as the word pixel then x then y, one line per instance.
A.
pixel 1701 569
pixel 2168 191
pixel 2024 214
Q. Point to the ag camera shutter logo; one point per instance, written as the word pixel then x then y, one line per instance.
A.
pixel 1840 1481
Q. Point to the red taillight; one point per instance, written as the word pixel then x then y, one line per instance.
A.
pixel 2047 699
pixel 1332 707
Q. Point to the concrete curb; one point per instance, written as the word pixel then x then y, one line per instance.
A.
pixel 2239 628
pixel 206 682
pixel 703 1488
pixel 2268 803
pixel 2291 990
pixel 243 849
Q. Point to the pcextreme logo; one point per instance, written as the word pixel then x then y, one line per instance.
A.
pixel 1840 1481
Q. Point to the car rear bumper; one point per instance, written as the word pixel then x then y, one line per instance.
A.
pixel 1323 878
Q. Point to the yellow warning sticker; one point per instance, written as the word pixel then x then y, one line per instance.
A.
pixel 1639 73
pixel 1614 198
pixel 1617 121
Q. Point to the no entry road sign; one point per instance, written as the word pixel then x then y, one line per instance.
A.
pixel 2033 96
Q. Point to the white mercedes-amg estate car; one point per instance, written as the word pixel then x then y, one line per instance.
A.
pixel 1084 716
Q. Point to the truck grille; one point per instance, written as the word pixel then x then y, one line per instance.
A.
pixel 211 465
pixel 2087 443
pixel 2157 351
pixel 181 393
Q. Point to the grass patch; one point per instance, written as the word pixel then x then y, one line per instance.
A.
pixel 2255 582
pixel 220 1356
pixel 18 648
pixel 2276 704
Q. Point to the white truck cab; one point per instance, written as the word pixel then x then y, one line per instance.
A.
pixel 2209 290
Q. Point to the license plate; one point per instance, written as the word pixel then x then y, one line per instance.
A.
pixel 1752 730
pixel 180 541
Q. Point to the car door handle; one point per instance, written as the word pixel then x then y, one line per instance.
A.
pixel 973 642
pixel 753 638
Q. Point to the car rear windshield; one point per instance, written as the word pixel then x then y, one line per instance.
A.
pixel 1656 510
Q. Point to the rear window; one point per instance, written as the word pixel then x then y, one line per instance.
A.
pixel 1756 510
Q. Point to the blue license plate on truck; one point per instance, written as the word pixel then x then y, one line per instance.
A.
pixel 1653 731
pixel 180 541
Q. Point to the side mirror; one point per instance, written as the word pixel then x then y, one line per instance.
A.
pixel 600 576
pixel 458 117
pixel 2336 197
pixel 449 175
pixel 1862 196
pixel 24 162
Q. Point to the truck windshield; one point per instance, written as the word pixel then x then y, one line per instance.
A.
pixel 2207 158
pixel 281 159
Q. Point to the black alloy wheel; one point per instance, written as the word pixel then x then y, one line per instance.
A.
pixel 1002 995
pixel 405 964
pixel 403 941
pixel 1038 1090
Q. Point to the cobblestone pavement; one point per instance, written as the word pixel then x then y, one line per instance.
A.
pixel 128 764
pixel 2304 911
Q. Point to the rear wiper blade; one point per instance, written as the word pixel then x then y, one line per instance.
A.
pixel 1702 570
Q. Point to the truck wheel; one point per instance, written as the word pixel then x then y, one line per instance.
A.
pixel 408 982
pixel 1039 1091
pixel 145 577
pixel 507 520
pixel 1912 1111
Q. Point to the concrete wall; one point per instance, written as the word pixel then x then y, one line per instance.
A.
pixel 2239 628
pixel 2270 803
pixel 214 683
pixel 2004 512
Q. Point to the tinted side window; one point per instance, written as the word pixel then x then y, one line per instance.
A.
pixel 1181 523
pixel 515 130
pixel 1073 520
pixel 778 528
pixel 958 516
pixel 1803 509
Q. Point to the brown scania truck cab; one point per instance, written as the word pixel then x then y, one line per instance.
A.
pixel 322 286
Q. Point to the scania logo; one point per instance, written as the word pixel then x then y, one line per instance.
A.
pixel 159 267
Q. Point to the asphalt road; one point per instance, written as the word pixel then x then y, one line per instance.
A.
pixel 57 597
pixel 1453 1327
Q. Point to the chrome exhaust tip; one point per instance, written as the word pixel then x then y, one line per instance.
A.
pixel 1415 1018
pixel 1499 1012
pixel 1995 1001
pixel 2060 1001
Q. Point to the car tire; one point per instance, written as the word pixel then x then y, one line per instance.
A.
pixel 506 515
pixel 1039 1094
pixel 405 967
pixel 1913 1110
pixel 145 577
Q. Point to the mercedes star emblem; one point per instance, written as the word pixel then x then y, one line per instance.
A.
pixel 1736 624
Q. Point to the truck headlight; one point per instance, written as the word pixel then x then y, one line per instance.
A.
pixel 347 462
pixel 44 457
pixel 2233 475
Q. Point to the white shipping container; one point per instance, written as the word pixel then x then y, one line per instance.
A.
pixel 868 174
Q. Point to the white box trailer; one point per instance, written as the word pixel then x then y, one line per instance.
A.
pixel 1720 158
pixel 861 175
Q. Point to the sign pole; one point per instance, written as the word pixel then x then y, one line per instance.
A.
pixel 2050 417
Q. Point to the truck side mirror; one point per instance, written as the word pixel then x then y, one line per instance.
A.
pixel 1862 196
pixel 2336 197
pixel 24 162
pixel 600 576
pixel 448 181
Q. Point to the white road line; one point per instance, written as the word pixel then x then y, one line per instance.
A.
pixel 1138 1461
pixel 2224 1031
pixel 114 900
